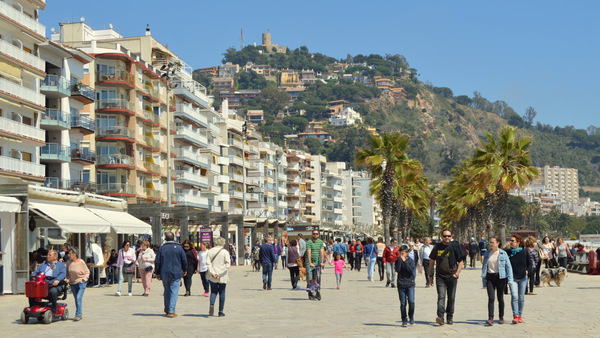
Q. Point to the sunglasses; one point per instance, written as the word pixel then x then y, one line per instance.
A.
pixel 315 233
pixel 447 236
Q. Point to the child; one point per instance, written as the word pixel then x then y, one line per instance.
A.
pixel 339 263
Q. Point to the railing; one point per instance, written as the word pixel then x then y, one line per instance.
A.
pixel 196 137
pixel 80 121
pixel 22 129
pixel 22 167
pixel 115 159
pixel 151 91
pixel 115 104
pixel 115 75
pixel 236 177
pixel 234 159
pixel 152 167
pixel 182 152
pixel 56 83
pixel 236 194
pixel 234 142
pixel 214 148
pixel 25 93
pixel 188 176
pixel 115 188
pixel 151 142
pixel 191 113
pixel 19 54
pixel 79 89
pixel 115 132
pixel 83 153
pixel 21 18
pixel 151 193
pixel 189 198
pixel 55 151
pixel 192 89
pixel 150 116
pixel 56 117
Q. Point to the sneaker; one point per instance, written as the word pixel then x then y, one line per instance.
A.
pixel 489 322
pixel 146 295
pixel 439 321
pixel 171 315
pixel 118 293
pixel 264 285
pixel 412 322
pixel 221 314
pixel 404 324
pixel 211 310
pixel 449 321
pixel 269 289
pixel 205 294
pixel 426 286
pixel 515 319
pixel 338 287
pixel 501 320
pixel 532 293
pixel 77 318
pixel 130 294
pixel 393 285
pixel 143 294
pixel 520 319
pixel 387 284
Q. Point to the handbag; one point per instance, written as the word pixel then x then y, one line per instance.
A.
pixel 299 261
pixel 149 268
pixel 128 269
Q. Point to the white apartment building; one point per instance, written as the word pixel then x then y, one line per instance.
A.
pixel 332 196
pixel 346 117
pixel 563 181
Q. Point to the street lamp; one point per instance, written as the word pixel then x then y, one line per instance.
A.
pixel 168 72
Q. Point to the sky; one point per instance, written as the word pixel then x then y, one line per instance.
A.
pixel 540 54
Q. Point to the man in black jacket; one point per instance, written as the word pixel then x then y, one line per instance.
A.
pixel 449 257
pixel 170 266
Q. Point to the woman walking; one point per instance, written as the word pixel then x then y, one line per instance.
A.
pixel 496 272
pixel 192 264
pixel 292 262
pixel 358 253
pixel 380 265
pixel 530 244
pixel 202 267
pixel 562 252
pixel 370 253
pixel 284 253
pixel 548 248
pixel 125 260
pixel 218 262
pixel 521 264
pixel 406 267
pixel 146 265
pixel 78 275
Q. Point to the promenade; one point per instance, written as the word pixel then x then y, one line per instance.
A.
pixel 360 308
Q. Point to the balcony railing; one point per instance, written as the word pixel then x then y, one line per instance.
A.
pixel 22 129
pixel 191 155
pixel 83 91
pixel 192 199
pixel 194 178
pixel 55 151
pixel 151 167
pixel 193 136
pixel 115 75
pixel 115 132
pixel 24 93
pixel 115 188
pixel 151 117
pixel 56 83
pixel 21 55
pixel 153 194
pixel 22 167
pixel 115 104
pixel 81 121
pixel 83 154
pixel 191 113
pixel 151 142
pixel 21 18
pixel 115 159
pixel 54 117
pixel 57 183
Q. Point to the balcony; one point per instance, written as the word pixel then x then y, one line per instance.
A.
pixel 185 111
pixel 234 142
pixel 56 86
pixel 83 155
pixel 119 78
pixel 116 189
pixel 17 53
pixel 190 156
pixel 234 159
pixel 192 90
pixel 115 134
pixel 83 93
pixel 17 92
pixel 20 130
pixel 85 125
pixel 150 93
pixel 55 153
pixel 153 195
pixel 151 118
pixel 236 194
pixel 22 19
pixel 236 177
pixel 152 144
pixel 115 161
pixel 118 106
pixel 57 183
pixel 55 120
pixel 191 178
pixel 22 168
pixel 151 168
pixel 191 136
pixel 188 199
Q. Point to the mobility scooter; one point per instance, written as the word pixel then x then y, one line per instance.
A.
pixel 42 310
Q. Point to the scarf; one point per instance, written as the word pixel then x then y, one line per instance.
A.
pixel 512 251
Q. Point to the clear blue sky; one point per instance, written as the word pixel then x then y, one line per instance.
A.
pixel 543 54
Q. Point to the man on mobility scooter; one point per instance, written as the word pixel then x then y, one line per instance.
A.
pixel 50 286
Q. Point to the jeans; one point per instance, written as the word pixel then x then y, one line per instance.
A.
pixel 350 256
pixel 187 280
pixel 205 283
pixel 125 277
pixel 426 272
pixel 294 275
pixel 446 285
pixel 381 267
pixel 267 273
pixel 217 288
pixel 277 260
pixel 472 258
pixel 497 285
pixel 358 258
pixel 562 262
pixel 338 279
pixel 517 296
pixel 283 262
pixel 409 293
pixel 170 295
pixel 390 271
pixel 532 279
pixel 371 267
pixel 78 290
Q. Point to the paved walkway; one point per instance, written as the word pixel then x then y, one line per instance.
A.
pixel 360 308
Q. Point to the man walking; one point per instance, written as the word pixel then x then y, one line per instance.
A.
pixel 473 251
pixel 351 251
pixel 482 247
pixel 424 253
pixel 268 260
pixel 448 256
pixel 390 255
pixel 315 255
pixel 170 265
pixel 277 249
pixel 339 248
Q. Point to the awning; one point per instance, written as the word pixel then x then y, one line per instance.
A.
pixel 9 204
pixel 122 222
pixel 70 217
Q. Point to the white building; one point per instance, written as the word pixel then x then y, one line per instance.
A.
pixel 345 117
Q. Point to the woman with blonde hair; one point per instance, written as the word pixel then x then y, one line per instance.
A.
pixel 146 265
pixel 78 275
pixel 562 252
pixel 218 262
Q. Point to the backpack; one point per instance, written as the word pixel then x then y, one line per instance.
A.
pixel 256 254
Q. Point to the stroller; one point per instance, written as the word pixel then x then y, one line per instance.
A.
pixel 42 310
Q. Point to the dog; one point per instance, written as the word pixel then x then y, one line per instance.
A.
pixel 556 275
pixel 302 273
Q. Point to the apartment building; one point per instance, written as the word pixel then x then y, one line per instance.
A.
pixel 22 105
pixel 300 187
pixel 228 70
pixel 332 195
pixel 563 181
pixel 345 117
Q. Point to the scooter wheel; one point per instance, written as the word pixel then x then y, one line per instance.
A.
pixel 48 317
pixel 24 318
pixel 65 315
pixel 318 296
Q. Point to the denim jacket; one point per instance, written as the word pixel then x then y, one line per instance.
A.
pixel 504 267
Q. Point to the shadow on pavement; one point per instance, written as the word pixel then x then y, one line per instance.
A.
pixel 192 315
pixel 589 288
pixel 382 324
pixel 149 314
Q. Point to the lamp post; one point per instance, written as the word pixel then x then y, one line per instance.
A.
pixel 168 71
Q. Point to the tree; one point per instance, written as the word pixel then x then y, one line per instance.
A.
pixel 529 116
pixel 250 80
pixel 314 146
pixel 274 99
pixel 297 123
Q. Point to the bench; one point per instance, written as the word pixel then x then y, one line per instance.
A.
pixel 580 263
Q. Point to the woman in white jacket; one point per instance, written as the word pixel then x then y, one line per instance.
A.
pixel 202 266
pixel 145 263
pixel 218 262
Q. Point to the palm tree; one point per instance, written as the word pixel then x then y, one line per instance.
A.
pixel 383 160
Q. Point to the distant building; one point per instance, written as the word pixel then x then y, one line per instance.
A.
pixel 293 92
pixel 315 130
pixel 256 116
pixel 264 70
pixel 345 118
pixel 335 107
pixel 209 71
pixel 228 70
pixel 223 83
pixel 289 77
pixel 272 48
pixel 398 94
pixel 235 98
pixel 308 76
pixel 563 181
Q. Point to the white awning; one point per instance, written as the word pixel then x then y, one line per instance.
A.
pixel 9 204
pixel 70 217
pixel 122 222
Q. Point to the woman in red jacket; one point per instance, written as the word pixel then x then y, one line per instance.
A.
pixel 390 256
pixel 358 253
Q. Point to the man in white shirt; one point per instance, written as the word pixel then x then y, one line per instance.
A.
pixel 424 252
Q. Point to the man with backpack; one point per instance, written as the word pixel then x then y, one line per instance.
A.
pixel 473 251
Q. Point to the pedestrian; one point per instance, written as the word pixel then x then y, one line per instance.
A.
pixel 483 245
pixel 315 255
pixel 284 253
pixel 145 263
pixel 256 258
pixel 329 251
pixel 548 252
pixel 562 252
pixel 424 254
pixel 301 245
pixel 78 275
pixel 340 264
pixel 496 272
pixel 390 255
pixel 521 265
pixel 339 247
pixel 233 253
pixel 358 253
pixel 246 255
pixel 278 251
pixel 125 260
pixel 350 253
pixel 170 265
pixel 473 251
pixel 112 266
pixel 370 253
pixel 202 268
pixel 268 259
pixel 530 244
pixel 405 267
pixel 293 262
pixel 191 257
pixel 218 262
pixel 380 264
pixel 448 257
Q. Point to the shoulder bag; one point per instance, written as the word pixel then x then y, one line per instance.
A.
pixel 128 269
